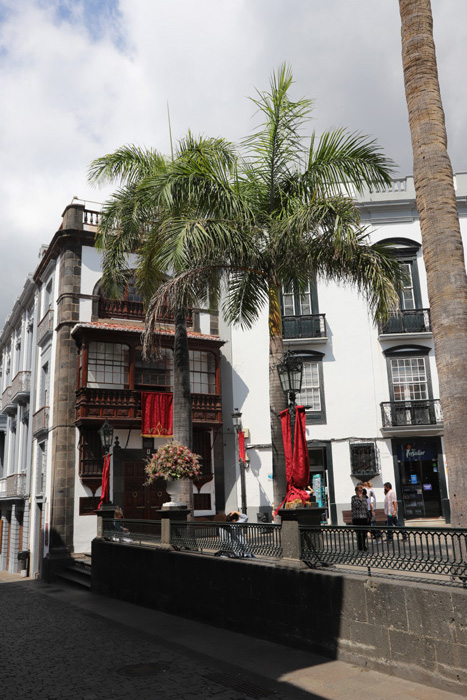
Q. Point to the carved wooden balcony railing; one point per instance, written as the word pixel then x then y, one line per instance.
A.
pixel 125 405
pixel 122 308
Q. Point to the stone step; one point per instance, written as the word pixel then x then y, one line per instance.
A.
pixel 78 575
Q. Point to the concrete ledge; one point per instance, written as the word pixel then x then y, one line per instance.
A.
pixel 413 631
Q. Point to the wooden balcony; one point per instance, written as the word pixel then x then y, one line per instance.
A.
pixel 122 308
pixel 123 406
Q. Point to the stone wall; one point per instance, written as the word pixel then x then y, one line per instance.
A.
pixel 415 631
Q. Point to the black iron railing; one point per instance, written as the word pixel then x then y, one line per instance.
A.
pixel 130 531
pixel 312 326
pixel 414 321
pixel 228 539
pixel 423 550
pixel 407 413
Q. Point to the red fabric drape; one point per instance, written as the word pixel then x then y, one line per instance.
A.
pixel 156 414
pixel 241 445
pixel 287 439
pixel 297 466
pixel 301 459
pixel 105 490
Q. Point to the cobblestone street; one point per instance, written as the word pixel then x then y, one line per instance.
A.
pixel 60 643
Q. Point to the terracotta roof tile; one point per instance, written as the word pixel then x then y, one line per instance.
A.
pixel 137 327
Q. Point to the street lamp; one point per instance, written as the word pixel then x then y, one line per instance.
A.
pixel 237 424
pixel 106 433
pixel 290 371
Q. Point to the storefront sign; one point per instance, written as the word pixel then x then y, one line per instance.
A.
pixel 427 487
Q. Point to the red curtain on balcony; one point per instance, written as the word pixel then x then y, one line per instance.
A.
pixel 156 414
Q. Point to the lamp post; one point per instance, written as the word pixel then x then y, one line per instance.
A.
pixel 290 371
pixel 237 423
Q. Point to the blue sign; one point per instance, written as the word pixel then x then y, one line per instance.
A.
pixel 427 487
pixel 413 479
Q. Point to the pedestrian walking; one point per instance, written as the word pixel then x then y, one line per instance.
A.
pixel 390 509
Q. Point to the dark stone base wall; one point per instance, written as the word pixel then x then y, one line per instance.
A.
pixel 413 631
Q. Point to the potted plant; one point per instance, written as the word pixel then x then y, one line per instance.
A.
pixel 174 463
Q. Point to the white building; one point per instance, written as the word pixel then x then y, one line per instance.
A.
pixel 72 358
pixel 374 391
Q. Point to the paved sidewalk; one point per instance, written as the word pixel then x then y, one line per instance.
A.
pixel 62 643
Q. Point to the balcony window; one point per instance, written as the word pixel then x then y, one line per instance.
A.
pixel 202 372
pixel 108 365
pixel 312 392
pixel 409 379
pixel 157 372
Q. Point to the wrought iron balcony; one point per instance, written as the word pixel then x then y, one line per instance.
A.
pixel 411 413
pixel 45 327
pixel 407 322
pixel 312 326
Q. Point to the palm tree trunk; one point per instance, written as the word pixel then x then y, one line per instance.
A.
pixel 277 399
pixel 442 243
pixel 182 411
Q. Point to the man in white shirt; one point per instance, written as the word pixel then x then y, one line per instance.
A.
pixel 390 509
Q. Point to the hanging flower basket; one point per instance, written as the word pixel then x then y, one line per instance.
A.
pixel 173 461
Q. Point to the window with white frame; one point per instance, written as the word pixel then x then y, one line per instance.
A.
pixel 296 304
pixel 310 394
pixel 157 372
pixel 409 378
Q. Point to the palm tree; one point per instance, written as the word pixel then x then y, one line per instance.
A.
pixel 293 218
pixel 442 243
pixel 136 218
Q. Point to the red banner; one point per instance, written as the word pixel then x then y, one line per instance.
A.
pixel 241 445
pixel 287 438
pixel 301 459
pixel 105 489
pixel 297 467
pixel 156 414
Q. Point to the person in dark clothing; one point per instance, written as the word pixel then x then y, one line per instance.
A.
pixel 359 507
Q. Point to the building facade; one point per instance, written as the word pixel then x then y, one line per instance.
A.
pixel 71 358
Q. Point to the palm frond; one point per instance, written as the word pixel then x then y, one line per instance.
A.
pixel 125 166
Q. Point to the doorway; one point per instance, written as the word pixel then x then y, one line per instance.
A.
pixel 141 502
pixel 419 466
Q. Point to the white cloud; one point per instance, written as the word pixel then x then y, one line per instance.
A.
pixel 79 78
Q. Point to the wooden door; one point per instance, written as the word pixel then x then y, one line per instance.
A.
pixel 139 501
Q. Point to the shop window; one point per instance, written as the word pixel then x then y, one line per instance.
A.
pixel 108 365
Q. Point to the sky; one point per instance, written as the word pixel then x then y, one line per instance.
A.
pixel 79 78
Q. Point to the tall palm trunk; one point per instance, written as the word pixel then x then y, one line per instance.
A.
pixel 182 411
pixel 277 399
pixel 442 243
